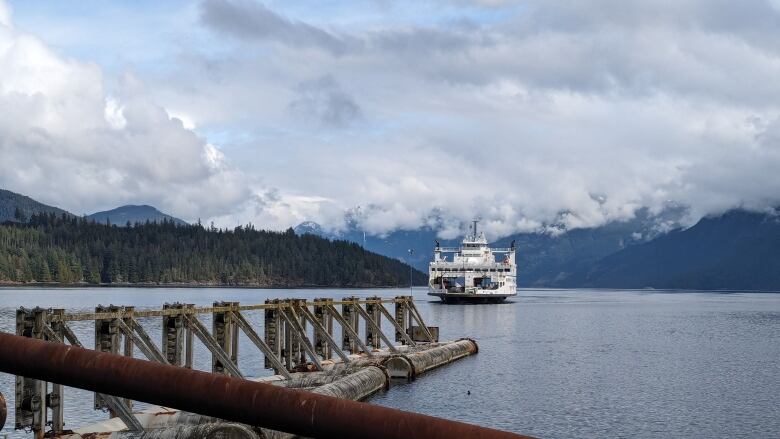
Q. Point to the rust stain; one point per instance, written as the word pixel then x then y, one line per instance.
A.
pixel 94 435
pixel 3 411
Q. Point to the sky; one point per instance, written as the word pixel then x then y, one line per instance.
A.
pixel 402 113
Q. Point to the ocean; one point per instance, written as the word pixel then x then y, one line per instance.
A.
pixel 551 363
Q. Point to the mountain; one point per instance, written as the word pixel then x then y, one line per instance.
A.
pixel 15 207
pixel 544 259
pixel 737 250
pixel 133 214
pixel 394 245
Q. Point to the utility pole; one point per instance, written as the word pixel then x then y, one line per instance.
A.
pixel 411 252
pixel 360 223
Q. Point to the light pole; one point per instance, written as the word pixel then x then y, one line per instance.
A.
pixel 411 252
pixel 360 223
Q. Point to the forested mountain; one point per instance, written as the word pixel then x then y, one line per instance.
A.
pixel 737 250
pixel 545 259
pixel 69 250
pixel 17 207
pixel 133 214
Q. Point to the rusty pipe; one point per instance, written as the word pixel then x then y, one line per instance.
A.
pixel 3 411
pixel 220 396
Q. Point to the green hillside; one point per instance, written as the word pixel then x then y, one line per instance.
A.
pixel 16 207
pixel 70 250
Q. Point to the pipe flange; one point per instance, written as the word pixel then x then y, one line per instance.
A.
pixel 474 342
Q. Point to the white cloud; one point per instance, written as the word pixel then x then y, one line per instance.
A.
pixel 569 112
pixel 66 141
pixel 5 15
pixel 113 114
pixel 523 113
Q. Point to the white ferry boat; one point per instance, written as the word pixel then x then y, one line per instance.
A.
pixel 473 274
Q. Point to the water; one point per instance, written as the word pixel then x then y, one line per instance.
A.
pixel 553 363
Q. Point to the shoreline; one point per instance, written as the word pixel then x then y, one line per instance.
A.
pixel 53 285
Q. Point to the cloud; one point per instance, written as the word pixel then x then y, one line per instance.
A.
pixel 5 15
pixel 522 119
pixel 425 113
pixel 250 20
pixel 65 140
pixel 323 101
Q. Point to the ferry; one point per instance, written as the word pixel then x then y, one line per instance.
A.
pixel 473 272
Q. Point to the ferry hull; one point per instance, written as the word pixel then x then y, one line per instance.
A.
pixel 462 298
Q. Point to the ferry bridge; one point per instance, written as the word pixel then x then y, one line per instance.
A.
pixel 315 392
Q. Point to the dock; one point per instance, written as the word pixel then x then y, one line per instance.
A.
pixel 326 355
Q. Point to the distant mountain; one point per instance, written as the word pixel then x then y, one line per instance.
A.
pixel 394 245
pixel 310 228
pixel 544 259
pixel 15 207
pixel 133 214
pixel 737 250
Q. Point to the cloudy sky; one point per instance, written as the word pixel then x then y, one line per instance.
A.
pixel 277 112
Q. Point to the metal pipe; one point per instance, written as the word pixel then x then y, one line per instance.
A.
pixel 223 397
pixel 356 386
pixel 204 431
pixel 432 358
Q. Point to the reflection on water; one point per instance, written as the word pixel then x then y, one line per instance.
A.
pixel 552 363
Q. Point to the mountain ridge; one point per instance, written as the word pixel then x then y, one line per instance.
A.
pixel 543 258
pixel 16 207
pixel 736 250
pixel 739 252
pixel 133 214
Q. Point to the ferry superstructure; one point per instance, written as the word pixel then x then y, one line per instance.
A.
pixel 473 272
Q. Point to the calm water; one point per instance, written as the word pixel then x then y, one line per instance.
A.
pixel 554 363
